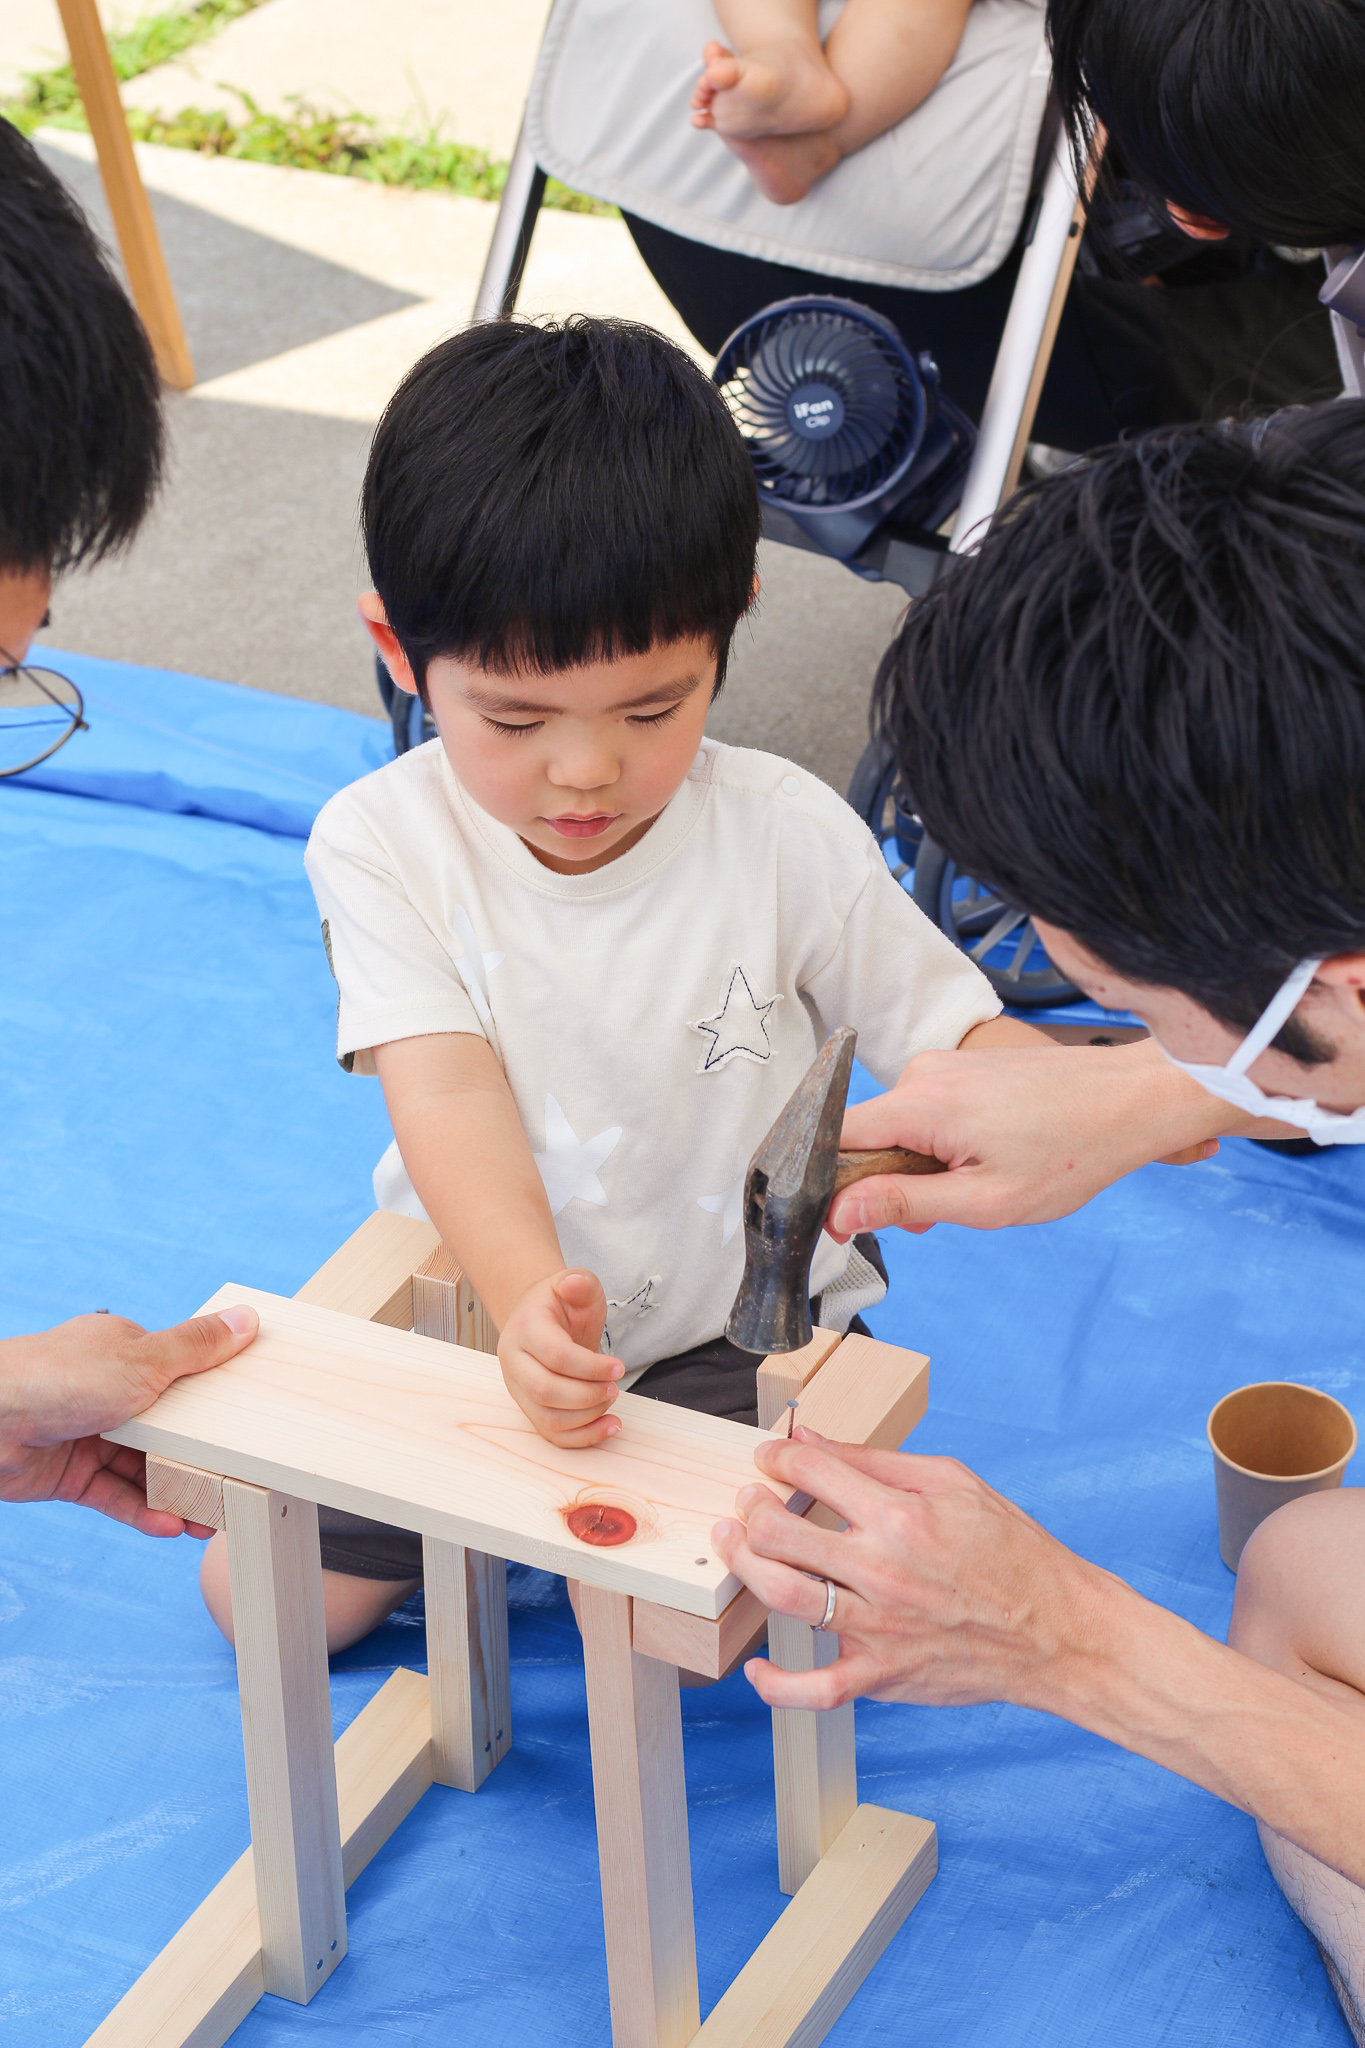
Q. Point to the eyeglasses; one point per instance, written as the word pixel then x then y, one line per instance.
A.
pixel 39 711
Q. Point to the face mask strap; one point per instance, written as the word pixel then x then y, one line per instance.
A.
pixel 1272 1018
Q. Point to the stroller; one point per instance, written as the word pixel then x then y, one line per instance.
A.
pixel 607 113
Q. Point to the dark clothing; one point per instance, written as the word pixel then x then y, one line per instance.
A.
pixel 1224 330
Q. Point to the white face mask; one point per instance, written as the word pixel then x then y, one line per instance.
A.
pixel 1230 1083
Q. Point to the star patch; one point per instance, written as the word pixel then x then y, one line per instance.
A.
pixel 739 1027
pixel 568 1168
pixel 621 1314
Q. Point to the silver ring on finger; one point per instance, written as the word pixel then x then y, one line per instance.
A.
pixel 831 1595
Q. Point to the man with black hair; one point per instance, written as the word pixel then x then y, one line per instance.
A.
pixel 1239 120
pixel 1139 708
pixel 1239 116
pixel 80 459
pixel 81 434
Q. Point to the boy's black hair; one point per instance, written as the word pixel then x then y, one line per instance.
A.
pixel 80 406
pixel 539 496
pixel 1248 111
pixel 1139 710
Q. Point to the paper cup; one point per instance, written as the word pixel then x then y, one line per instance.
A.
pixel 1272 1442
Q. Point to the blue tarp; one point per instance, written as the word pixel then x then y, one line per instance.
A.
pixel 173 1118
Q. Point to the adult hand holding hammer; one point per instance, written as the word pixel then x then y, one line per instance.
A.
pixel 1028 1134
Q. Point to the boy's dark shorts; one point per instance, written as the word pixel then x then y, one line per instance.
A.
pixel 714 1379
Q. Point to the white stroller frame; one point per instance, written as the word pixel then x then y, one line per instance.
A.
pixel 1025 349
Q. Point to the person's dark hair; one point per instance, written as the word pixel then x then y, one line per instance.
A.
pixel 1139 710
pixel 539 496
pixel 1248 111
pixel 80 405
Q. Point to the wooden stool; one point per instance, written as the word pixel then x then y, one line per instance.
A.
pixel 341 1400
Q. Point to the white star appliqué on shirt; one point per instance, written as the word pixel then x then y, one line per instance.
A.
pixel 729 1206
pixel 568 1168
pixel 621 1314
pixel 473 966
pixel 739 1027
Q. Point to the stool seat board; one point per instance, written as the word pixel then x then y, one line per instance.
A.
pixel 424 1434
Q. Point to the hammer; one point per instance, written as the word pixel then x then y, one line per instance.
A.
pixel 793 1177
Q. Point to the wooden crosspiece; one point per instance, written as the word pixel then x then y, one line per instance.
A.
pixel 374 1390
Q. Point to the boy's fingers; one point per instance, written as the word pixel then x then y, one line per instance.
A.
pixel 558 1391
pixel 558 1354
pixel 578 1439
pixel 582 1306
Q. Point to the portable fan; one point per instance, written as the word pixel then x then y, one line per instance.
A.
pixel 846 428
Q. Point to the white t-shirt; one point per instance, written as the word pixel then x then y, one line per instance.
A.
pixel 652 1018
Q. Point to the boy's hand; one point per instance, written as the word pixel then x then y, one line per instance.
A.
pixel 550 1360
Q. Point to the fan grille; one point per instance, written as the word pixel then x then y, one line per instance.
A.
pixel 882 406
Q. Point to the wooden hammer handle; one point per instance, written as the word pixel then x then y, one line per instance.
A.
pixel 862 1165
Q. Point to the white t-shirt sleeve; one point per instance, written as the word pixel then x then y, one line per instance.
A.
pixel 898 979
pixel 395 977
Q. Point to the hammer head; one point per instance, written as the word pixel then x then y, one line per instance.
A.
pixel 789 1187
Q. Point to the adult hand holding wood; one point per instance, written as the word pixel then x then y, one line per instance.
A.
pixel 949 1595
pixel 58 1389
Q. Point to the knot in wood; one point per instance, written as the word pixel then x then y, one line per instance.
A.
pixel 599 1523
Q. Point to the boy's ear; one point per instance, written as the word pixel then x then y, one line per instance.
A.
pixel 377 625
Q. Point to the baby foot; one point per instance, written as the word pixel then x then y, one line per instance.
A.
pixel 720 75
pixel 784 167
pixel 780 89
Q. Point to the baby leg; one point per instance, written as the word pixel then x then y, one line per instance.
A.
pixel 775 80
pixel 1300 1608
pixel 887 55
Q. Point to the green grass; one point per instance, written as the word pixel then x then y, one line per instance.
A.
pixel 348 145
pixel 156 39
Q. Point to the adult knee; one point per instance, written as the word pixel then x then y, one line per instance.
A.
pixel 1289 1563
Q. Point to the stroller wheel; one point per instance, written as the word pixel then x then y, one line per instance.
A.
pixel 876 790
pixel 1001 940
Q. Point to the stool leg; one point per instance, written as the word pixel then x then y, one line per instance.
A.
pixel 815 1766
pixel 466 1590
pixel 637 1772
pixel 471 1702
pixel 276 1578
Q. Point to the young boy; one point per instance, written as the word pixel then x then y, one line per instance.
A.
pixel 588 952
pixel 790 108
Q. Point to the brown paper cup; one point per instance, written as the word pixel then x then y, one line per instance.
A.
pixel 1272 1442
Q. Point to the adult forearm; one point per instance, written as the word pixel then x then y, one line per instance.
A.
pixel 1185 1110
pixel 947 1594
pixel 1150 1682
